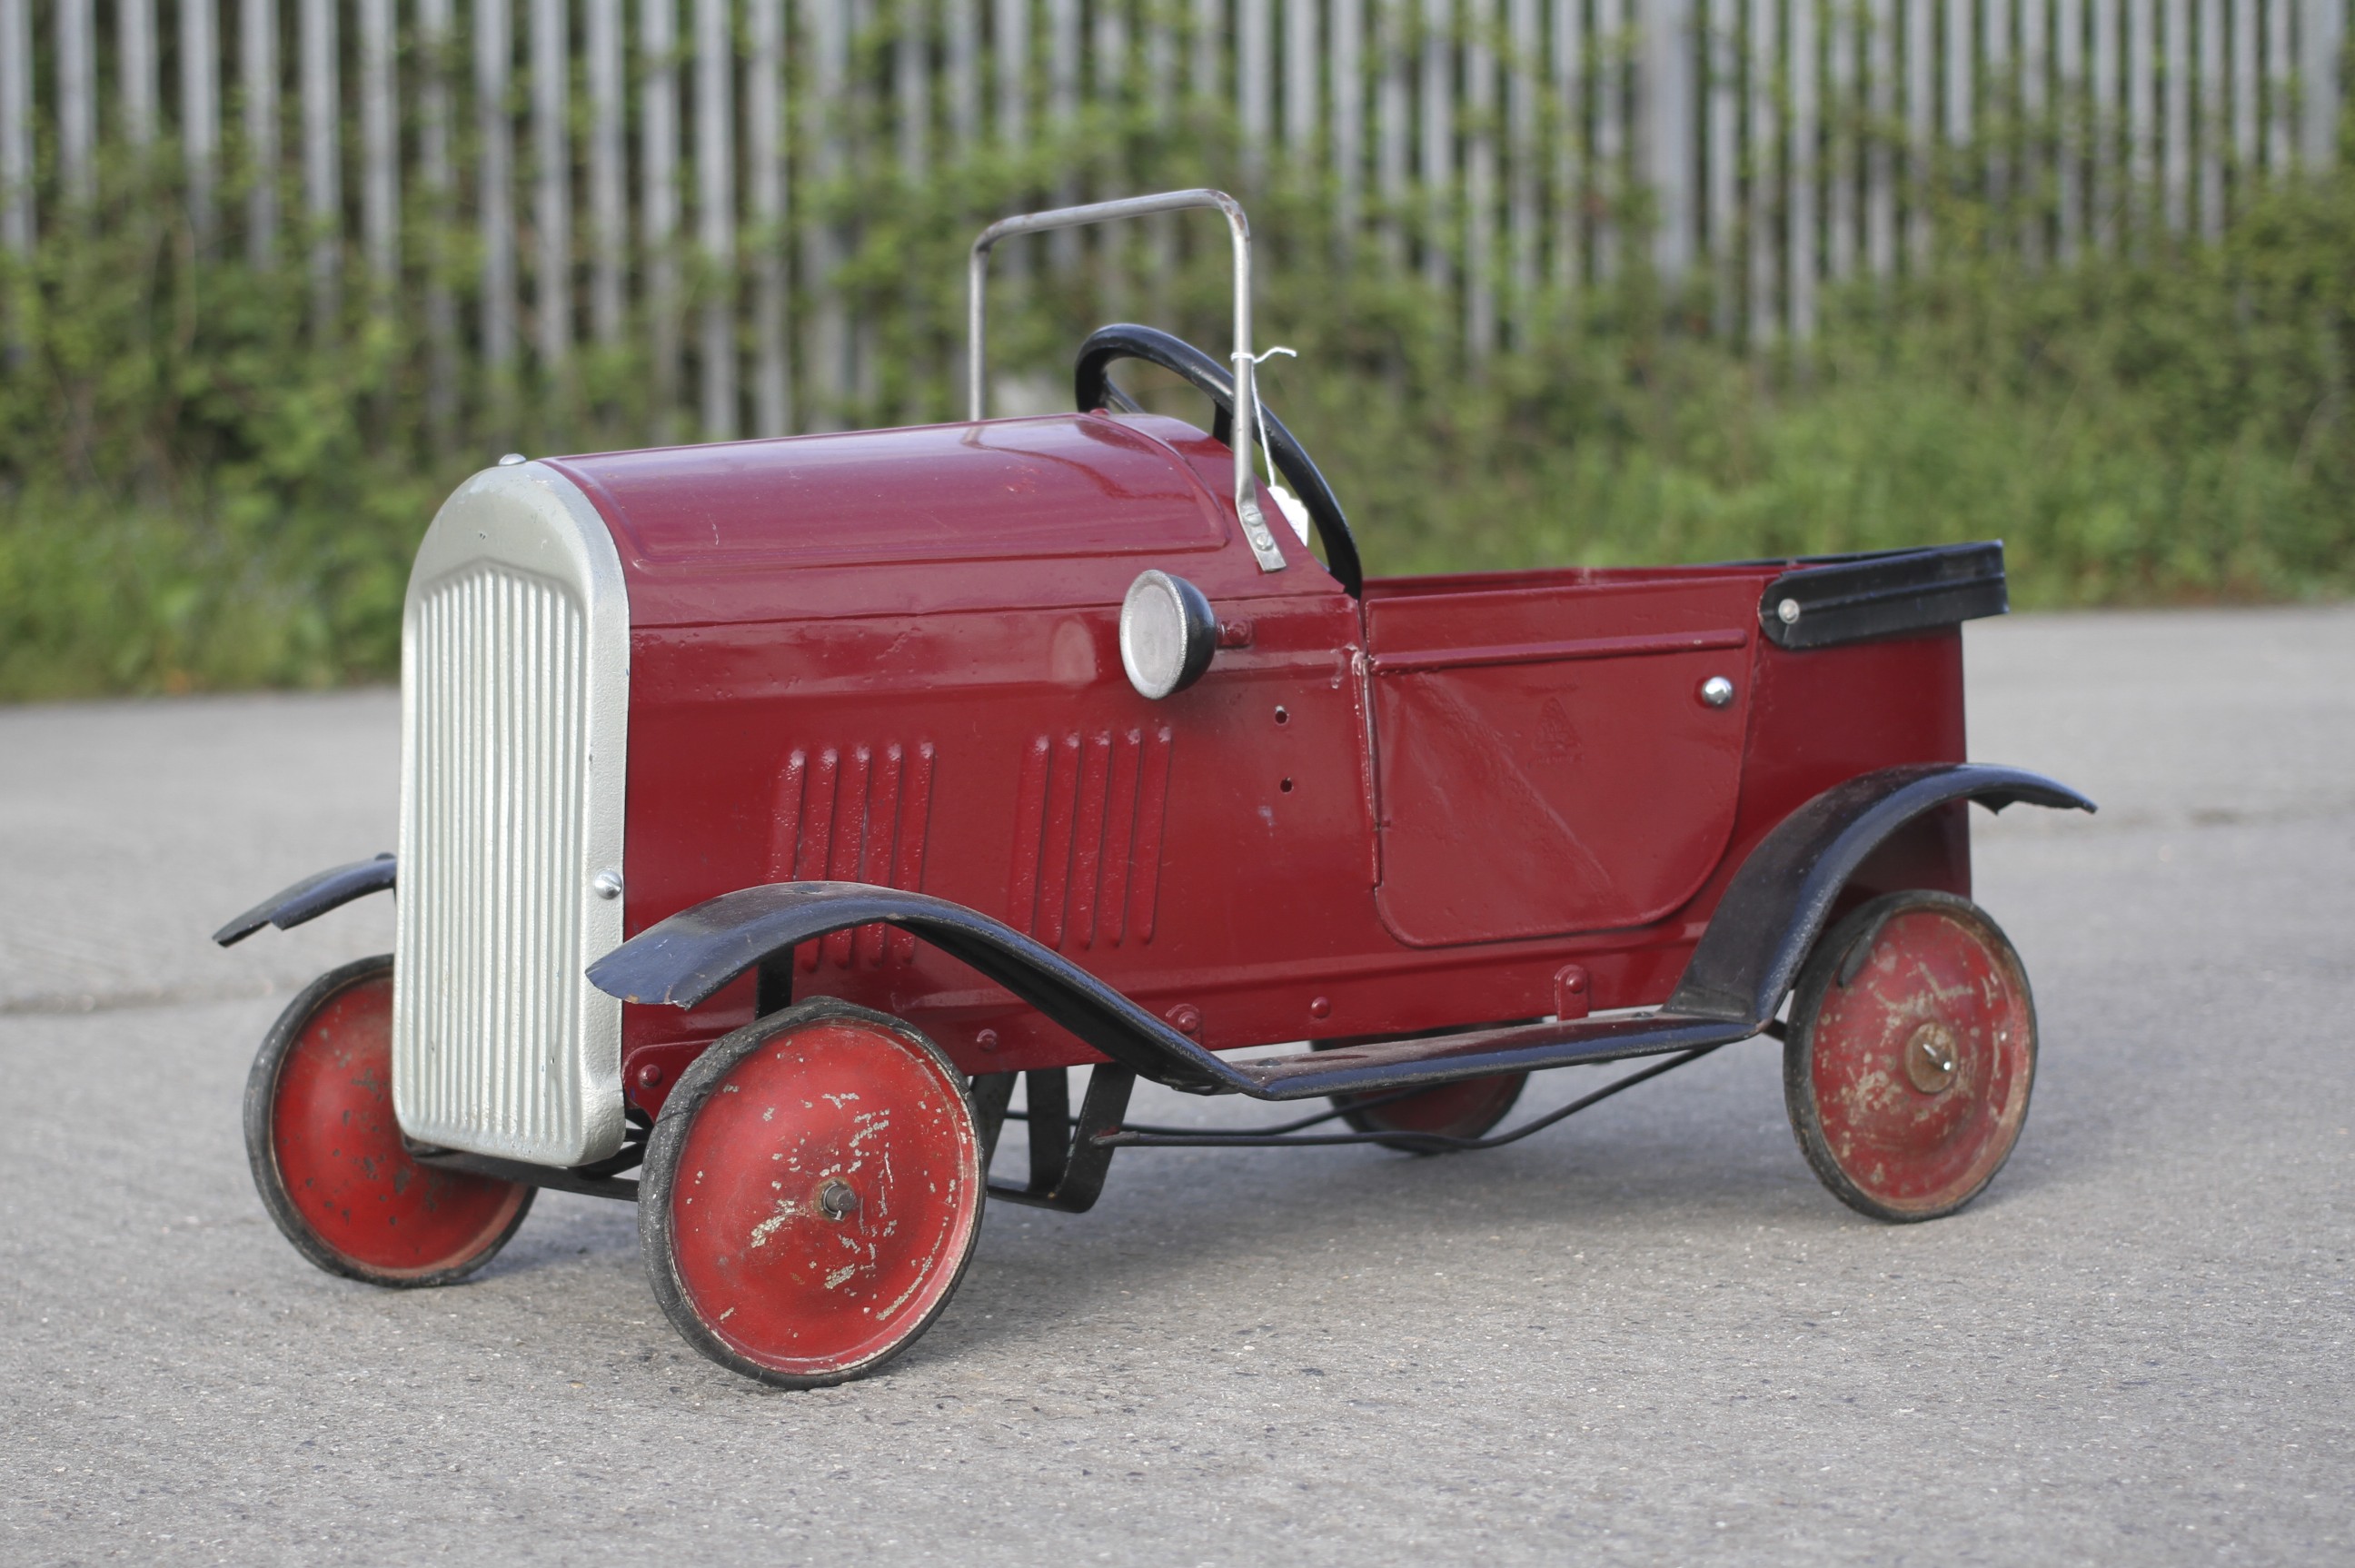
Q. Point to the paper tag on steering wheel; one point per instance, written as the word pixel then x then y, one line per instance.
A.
pixel 1296 510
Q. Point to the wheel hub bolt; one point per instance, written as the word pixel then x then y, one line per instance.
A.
pixel 1932 1059
pixel 836 1200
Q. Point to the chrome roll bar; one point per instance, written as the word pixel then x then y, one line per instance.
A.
pixel 1246 410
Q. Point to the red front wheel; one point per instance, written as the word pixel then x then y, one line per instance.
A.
pixel 327 1155
pixel 1911 1053
pixel 811 1194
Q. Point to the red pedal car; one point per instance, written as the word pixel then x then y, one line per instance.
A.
pixel 767 807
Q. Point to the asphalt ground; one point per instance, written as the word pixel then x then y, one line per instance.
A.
pixel 1646 1336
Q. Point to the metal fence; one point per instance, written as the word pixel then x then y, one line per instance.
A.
pixel 1507 153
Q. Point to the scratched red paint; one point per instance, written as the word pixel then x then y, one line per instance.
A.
pixel 340 1155
pixel 770 1273
pixel 1916 1135
pixel 1475 778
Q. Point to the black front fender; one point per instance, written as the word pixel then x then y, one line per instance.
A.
pixel 1778 903
pixel 312 897
pixel 685 961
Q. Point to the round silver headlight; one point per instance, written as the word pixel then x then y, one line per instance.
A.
pixel 1168 634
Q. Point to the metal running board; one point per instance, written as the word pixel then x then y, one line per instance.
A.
pixel 1523 1048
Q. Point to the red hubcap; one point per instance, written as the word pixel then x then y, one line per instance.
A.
pixel 340 1157
pixel 1920 1065
pixel 824 1198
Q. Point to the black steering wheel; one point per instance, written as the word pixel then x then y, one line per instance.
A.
pixel 1124 340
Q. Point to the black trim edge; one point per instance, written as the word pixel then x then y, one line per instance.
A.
pixel 1886 594
pixel 312 897
pixel 1770 916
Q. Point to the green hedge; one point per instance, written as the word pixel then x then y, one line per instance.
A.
pixel 197 491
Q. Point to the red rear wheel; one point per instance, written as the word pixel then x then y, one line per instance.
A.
pixel 1911 1054
pixel 1468 1109
pixel 327 1155
pixel 811 1195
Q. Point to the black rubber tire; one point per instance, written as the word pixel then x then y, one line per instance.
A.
pixel 262 1085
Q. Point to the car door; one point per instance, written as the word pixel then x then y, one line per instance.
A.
pixel 1551 755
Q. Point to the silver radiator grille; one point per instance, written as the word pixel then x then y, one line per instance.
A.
pixel 499 1043
pixel 491 904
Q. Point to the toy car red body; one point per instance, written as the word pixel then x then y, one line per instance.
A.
pixel 767 806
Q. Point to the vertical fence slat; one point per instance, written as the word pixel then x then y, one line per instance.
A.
pixel 658 197
pixel 1254 81
pixel 2178 157
pixel 1160 97
pixel 1479 182
pixel 2245 95
pixel 17 211
pixel 1393 130
pixel 766 176
pixel 912 70
pixel 961 23
pixel 2069 148
pixel 1012 18
pixel 2033 125
pixel 1438 141
pixel 199 110
pixel 435 178
pixel 1959 79
pixel 1800 231
pixel 495 179
pixel 1569 145
pixel 551 181
pixel 2104 122
pixel 1062 117
pixel 1879 163
pixel 1302 107
pixel 1920 100
pixel 1108 68
pixel 2278 89
pixel 2325 24
pixel 1209 23
pixel 1667 40
pixel 1721 38
pixel 1610 160
pixel 826 34
pixel 1841 114
pixel 1348 150
pixel 379 146
pixel 714 213
pixel 2210 114
pixel 1523 42
pixel 135 69
pixel 2142 99
pixel 257 66
pixel 608 204
pixel 77 55
pixel 1765 167
pixel 323 196
pixel 1999 106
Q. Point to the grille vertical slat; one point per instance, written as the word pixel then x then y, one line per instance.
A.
pixel 490 906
